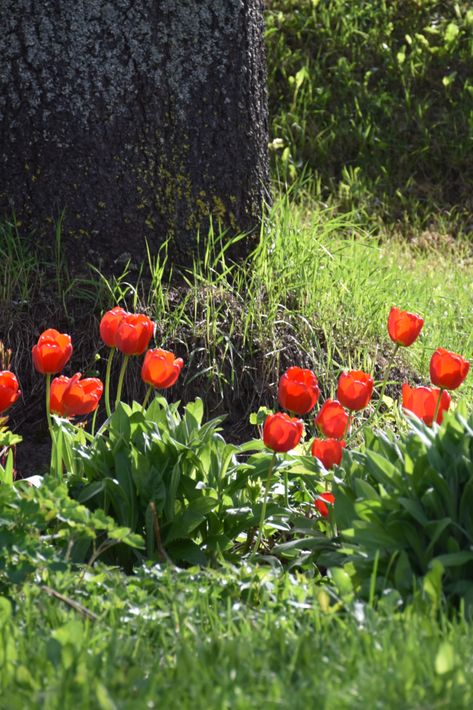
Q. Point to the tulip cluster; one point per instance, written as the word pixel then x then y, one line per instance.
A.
pixel 68 397
pixel 130 333
pixel 447 372
pixel 299 391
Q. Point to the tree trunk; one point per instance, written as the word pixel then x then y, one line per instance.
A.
pixel 141 119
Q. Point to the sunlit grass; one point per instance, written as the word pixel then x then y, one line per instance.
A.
pixel 228 639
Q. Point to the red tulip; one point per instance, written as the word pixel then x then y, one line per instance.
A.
pixel 134 333
pixel 298 390
pixel 74 397
pixel 9 390
pixel 52 351
pixel 332 419
pixel 404 327
pixel 282 432
pixel 328 451
pixel 161 368
pixel 355 389
pixel 320 503
pixel 109 326
pixel 422 401
pixel 448 370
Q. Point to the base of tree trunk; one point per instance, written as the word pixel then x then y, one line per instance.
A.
pixel 133 122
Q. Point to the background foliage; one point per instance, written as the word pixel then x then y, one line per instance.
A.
pixel 376 98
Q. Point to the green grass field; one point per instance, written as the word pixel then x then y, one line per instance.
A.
pixel 236 638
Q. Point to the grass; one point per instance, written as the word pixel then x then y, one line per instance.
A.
pixel 236 638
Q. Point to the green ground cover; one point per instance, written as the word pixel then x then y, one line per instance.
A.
pixel 375 98
pixel 234 638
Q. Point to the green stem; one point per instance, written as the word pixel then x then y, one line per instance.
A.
pixel 387 372
pixel 120 380
pixel 48 404
pixel 55 462
pixel 437 406
pixel 147 395
pixel 286 489
pixel 107 382
pixel 263 509
pixel 94 418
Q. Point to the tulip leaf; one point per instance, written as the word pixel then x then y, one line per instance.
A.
pixel 185 522
pixel 455 559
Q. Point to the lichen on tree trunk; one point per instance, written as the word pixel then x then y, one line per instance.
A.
pixel 141 119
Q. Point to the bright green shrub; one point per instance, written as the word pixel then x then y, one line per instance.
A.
pixel 376 97
pixel 43 528
pixel 405 509
pixel 163 474
pixel 195 498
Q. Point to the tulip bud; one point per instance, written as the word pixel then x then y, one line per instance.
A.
pixel 298 390
pixel 282 432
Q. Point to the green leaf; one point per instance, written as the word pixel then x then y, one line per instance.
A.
pixel 186 551
pixel 454 559
pixel 195 411
pixel 343 582
pixel 434 529
pixel 364 490
pixel 445 658
pixel 314 542
pixel 184 523
pixel 382 469
pixel 5 612
pixel 414 508
pixel 432 583
pixel 403 576
pixel 451 33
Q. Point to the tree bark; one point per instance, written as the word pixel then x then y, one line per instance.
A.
pixel 140 119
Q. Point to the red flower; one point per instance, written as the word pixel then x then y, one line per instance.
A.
pixel 328 451
pixel 9 390
pixel 448 370
pixel 74 397
pixel 282 432
pixel 134 333
pixel 321 505
pixel 355 389
pixel 52 351
pixel 161 368
pixel 332 419
pixel 404 327
pixel 422 401
pixel 298 390
pixel 109 325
